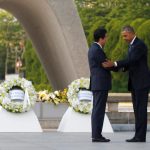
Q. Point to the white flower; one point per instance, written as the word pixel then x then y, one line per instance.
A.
pixel 72 94
pixel 15 106
pixel 27 84
pixel 51 95
pixel 56 93
pixel 45 97
pixel 43 94
pixel 6 100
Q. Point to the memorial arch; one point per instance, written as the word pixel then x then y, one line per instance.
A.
pixel 56 32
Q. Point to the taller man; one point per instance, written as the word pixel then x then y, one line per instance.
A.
pixel 139 80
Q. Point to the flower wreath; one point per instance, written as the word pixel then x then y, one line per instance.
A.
pixel 26 86
pixel 72 94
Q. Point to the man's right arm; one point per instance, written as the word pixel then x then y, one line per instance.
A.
pixel 116 66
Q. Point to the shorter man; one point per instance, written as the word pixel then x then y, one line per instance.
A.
pixel 100 83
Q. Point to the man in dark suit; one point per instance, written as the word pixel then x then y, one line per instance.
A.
pixel 100 83
pixel 139 80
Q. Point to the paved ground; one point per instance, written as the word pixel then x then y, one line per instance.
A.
pixel 68 141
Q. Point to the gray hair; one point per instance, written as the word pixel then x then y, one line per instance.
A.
pixel 128 29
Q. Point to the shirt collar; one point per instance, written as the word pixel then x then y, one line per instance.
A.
pixel 132 40
pixel 99 45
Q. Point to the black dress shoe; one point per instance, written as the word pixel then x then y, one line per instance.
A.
pixel 102 139
pixel 134 139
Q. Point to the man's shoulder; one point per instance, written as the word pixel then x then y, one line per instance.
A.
pixel 139 42
pixel 95 47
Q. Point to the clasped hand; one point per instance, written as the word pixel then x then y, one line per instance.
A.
pixel 108 64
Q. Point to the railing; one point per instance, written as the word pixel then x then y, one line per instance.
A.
pixel 115 98
pixel 124 114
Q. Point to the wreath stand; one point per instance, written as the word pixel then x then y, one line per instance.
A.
pixel 19 122
pixel 76 122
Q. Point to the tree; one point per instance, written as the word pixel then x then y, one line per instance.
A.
pixel 113 15
pixel 143 32
pixel 15 44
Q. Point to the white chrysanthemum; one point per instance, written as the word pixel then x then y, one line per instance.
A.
pixel 52 95
pixel 42 94
pixel 45 97
pixel 72 94
pixel 56 93
pixel 15 106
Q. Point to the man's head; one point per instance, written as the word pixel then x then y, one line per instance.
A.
pixel 100 36
pixel 128 33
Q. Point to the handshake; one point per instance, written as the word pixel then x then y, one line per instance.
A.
pixel 109 64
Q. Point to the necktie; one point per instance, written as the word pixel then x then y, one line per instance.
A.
pixel 129 49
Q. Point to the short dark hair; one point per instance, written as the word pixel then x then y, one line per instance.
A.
pixel 99 33
pixel 128 28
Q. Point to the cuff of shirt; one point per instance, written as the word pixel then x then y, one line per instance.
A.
pixel 115 64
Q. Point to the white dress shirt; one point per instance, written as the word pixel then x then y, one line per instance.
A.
pixel 99 45
pixel 132 40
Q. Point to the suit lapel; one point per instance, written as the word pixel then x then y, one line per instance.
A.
pixel 100 49
pixel 131 47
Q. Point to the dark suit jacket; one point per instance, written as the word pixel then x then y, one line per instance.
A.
pixel 136 63
pixel 100 78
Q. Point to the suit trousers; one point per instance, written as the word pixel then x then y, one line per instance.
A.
pixel 140 100
pixel 98 112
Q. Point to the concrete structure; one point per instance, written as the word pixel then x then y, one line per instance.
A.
pixel 55 29
pixel 19 122
pixel 120 116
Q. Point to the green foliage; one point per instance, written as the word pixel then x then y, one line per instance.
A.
pixel 113 15
pixel 10 37
pixel 2 62
pixel 13 44
pixel 34 70
pixel 144 31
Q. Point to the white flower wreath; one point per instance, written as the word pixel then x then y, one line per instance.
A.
pixel 17 106
pixel 72 94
